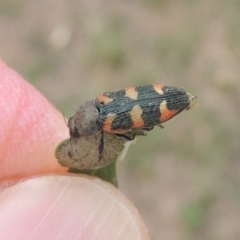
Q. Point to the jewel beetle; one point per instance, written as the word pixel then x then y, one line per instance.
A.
pixel 129 112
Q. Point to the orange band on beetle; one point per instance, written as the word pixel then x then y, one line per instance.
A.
pixel 158 88
pixel 131 93
pixel 166 114
pixel 107 125
pixel 136 115
pixel 103 99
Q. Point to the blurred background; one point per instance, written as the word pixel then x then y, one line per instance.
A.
pixel 184 179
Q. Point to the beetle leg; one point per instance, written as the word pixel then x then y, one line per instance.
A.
pixel 127 137
pixel 101 147
pixel 142 131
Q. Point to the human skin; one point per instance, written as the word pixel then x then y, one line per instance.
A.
pixel 38 198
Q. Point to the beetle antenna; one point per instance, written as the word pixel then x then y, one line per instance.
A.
pixel 64 117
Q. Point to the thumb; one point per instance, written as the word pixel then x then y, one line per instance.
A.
pixel 68 207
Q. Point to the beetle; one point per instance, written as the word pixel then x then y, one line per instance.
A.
pixel 129 112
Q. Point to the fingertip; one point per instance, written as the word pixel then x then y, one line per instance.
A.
pixel 30 128
pixel 53 207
